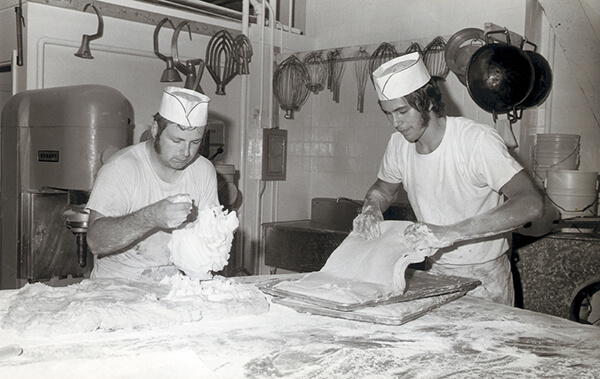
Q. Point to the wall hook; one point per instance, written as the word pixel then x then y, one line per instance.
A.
pixel 170 74
pixel 192 78
pixel 175 49
pixel 84 50
pixel 20 25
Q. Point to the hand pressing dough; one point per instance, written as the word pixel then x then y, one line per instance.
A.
pixel 362 270
pixel 203 247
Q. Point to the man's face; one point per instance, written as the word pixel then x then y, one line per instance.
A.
pixel 178 148
pixel 404 118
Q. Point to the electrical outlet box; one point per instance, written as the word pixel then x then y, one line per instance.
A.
pixel 274 154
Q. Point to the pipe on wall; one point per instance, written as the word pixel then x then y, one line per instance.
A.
pixel 242 132
pixel 271 53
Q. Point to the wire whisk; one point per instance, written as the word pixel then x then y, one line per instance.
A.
pixel 385 52
pixel 336 70
pixel 361 72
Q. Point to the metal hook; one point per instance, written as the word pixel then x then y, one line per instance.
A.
pixel 156 31
pixel 170 74
pixel 192 79
pixel 20 25
pixel 84 50
pixel 175 49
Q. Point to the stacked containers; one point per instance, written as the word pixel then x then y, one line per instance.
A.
pixel 556 164
pixel 554 152
pixel 573 192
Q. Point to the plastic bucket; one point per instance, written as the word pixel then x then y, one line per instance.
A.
pixel 574 193
pixel 557 151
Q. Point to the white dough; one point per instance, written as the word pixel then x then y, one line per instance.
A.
pixel 103 304
pixel 361 270
pixel 203 247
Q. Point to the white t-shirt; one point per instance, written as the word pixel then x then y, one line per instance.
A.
pixel 458 180
pixel 128 183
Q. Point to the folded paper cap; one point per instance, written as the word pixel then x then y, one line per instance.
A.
pixel 400 76
pixel 184 107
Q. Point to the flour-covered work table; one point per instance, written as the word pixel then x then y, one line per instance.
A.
pixel 466 338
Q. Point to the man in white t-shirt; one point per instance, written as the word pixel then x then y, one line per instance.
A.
pixel 457 174
pixel 146 190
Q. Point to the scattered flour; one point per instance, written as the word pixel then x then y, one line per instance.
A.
pixel 41 310
pixel 203 247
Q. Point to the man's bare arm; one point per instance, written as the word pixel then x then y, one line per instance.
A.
pixel 524 204
pixel 108 235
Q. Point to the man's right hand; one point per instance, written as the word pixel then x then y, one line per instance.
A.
pixel 366 224
pixel 173 211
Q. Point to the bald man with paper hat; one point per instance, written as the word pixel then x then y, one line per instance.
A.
pixel 457 174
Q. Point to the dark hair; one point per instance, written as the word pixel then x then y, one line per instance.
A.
pixel 162 125
pixel 428 96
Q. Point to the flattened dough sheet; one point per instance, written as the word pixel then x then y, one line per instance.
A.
pixel 358 271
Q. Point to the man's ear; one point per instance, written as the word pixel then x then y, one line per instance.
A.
pixel 154 129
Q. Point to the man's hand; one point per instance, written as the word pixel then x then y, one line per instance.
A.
pixel 173 211
pixel 428 236
pixel 366 224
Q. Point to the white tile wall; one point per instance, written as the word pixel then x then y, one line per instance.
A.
pixel 340 149
pixel 335 150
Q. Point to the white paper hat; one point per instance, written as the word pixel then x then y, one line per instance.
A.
pixel 185 107
pixel 400 76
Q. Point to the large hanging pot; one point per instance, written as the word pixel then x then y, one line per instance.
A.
pixel 499 77
pixel 542 83
pixel 459 50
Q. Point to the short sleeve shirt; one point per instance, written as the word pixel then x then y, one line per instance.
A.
pixel 460 179
pixel 128 183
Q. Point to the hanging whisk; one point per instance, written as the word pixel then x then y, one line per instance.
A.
pixel 336 69
pixel 243 54
pixel 221 59
pixel 414 47
pixel 434 58
pixel 317 70
pixel 290 85
pixel 361 71
pixel 385 52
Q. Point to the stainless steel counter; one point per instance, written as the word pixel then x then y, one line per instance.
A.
pixel 467 338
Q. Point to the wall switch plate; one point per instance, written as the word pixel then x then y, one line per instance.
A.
pixel 274 158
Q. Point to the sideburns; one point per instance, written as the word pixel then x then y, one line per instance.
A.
pixel 425 117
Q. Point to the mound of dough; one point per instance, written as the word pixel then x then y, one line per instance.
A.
pixel 41 310
pixel 203 246
pixel 220 297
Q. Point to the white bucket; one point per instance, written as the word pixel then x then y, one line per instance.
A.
pixel 574 193
pixel 557 151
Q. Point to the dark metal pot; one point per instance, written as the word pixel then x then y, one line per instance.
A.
pixel 499 77
pixel 542 83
